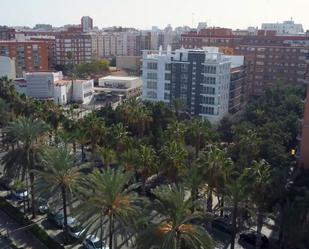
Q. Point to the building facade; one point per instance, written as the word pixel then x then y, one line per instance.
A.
pixel 86 23
pixel 29 56
pixel 284 28
pixel 268 58
pixel 199 78
pixel 7 67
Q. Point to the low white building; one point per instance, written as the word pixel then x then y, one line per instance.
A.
pixel 120 85
pixel 285 28
pixel 7 67
pixel 51 85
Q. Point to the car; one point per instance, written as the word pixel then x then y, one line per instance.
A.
pixel 21 194
pixel 57 218
pixel 75 229
pixel 92 242
pixel 250 238
pixel 42 206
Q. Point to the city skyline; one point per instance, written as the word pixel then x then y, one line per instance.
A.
pixel 134 13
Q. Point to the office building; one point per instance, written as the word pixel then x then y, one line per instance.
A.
pixel 200 78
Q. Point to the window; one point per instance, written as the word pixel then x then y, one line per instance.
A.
pixel 152 84
pixel 152 76
pixel 208 90
pixel 184 68
pixel 167 67
pixel 210 80
pixel 166 96
pixel 151 94
pixel 208 110
pixel 167 76
pixel 210 69
pixel 167 87
pixel 208 100
pixel 152 65
pixel 184 78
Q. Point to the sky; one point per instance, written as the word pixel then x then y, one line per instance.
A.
pixel 144 14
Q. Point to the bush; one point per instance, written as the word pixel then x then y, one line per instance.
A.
pixel 35 229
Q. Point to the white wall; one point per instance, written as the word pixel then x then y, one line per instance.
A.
pixel 7 67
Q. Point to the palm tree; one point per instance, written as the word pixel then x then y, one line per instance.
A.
pixel 140 118
pixel 236 190
pixel 260 173
pixel 216 168
pixel 111 201
pixel 27 132
pixel 198 132
pixel 95 129
pixel 146 164
pixel 120 135
pixel 174 227
pixel 173 157
pixel 58 177
pixel 106 155
pixel 176 131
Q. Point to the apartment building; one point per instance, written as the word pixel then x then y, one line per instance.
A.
pixel 200 78
pixel 284 28
pixel 75 43
pixel 7 33
pixel 29 56
pixel 86 23
pixel 269 58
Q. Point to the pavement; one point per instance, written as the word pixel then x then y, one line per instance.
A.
pixel 20 237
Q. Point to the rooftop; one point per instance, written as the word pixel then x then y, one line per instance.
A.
pixel 119 78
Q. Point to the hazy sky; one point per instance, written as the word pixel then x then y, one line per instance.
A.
pixel 145 13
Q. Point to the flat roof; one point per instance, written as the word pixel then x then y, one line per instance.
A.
pixel 120 78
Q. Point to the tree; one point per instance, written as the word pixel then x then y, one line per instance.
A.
pixel 176 131
pixel 58 177
pixel 146 164
pixel 236 190
pixel 120 136
pixel 173 157
pixel 27 131
pixel 260 173
pixel 175 229
pixel 106 155
pixel 216 169
pixel 198 132
pixel 111 201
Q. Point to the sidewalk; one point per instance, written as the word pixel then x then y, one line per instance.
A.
pixel 21 238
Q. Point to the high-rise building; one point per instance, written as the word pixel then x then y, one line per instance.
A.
pixel 29 56
pixel 200 78
pixel 86 23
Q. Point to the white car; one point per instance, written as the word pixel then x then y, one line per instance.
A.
pixel 92 242
pixel 75 230
pixel 21 194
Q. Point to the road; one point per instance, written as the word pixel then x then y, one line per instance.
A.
pixel 21 238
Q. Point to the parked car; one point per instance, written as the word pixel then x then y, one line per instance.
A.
pixel 250 238
pixel 222 224
pixel 75 229
pixel 57 218
pixel 42 206
pixel 92 242
pixel 20 194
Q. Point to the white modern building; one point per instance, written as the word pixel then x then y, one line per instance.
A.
pixel 120 85
pixel 7 67
pixel 199 78
pixel 285 28
pixel 51 85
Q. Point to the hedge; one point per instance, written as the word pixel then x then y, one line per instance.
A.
pixel 35 229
